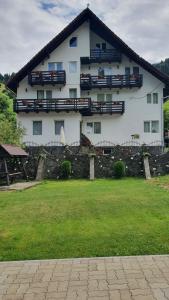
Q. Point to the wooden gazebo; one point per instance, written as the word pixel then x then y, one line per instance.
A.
pixel 12 162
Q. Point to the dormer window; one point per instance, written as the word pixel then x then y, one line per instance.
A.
pixel 73 42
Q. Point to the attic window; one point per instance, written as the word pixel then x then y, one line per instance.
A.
pixel 73 42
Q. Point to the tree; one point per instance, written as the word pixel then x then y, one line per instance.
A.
pixel 10 132
pixel 166 115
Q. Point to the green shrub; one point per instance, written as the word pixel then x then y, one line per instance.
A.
pixel 119 169
pixel 65 169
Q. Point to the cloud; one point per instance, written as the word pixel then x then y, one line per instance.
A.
pixel 26 26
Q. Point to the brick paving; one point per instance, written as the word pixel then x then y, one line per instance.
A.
pixel 111 278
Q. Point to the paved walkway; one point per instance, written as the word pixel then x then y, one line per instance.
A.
pixel 116 278
pixel 19 186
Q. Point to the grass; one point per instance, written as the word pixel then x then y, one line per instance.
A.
pixel 79 218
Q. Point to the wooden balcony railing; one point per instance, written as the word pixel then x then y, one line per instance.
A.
pixel 47 105
pixel 113 107
pixel 100 55
pixel 84 105
pixel 47 77
pixel 87 82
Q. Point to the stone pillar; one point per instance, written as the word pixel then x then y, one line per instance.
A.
pixel 92 167
pixel 147 167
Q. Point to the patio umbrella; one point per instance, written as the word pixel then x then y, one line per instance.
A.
pixel 62 136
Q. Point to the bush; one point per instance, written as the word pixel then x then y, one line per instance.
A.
pixel 65 169
pixel 119 169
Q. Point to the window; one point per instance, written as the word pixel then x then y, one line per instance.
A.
pixel 100 97
pixel 40 94
pixel 55 66
pixel 148 98
pixel 89 128
pixel 107 151
pixel 97 127
pixel 58 125
pixel 73 66
pixel 72 93
pixel 93 127
pixel 127 71
pixel 108 71
pixel 151 126
pixel 147 126
pixel 135 70
pixel 37 127
pixel 98 46
pixel 154 126
pixel 73 42
pixel 100 72
pixel 48 94
pixel 155 98
pixel 104 46
pixel 109 97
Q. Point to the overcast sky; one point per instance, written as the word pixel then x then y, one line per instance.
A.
pixel 27 25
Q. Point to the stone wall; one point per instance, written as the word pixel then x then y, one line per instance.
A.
pixel 132 156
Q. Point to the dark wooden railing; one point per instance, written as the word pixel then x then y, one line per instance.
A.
pixel 113 107
pixel 100 55
pixel 63 104
pixel 84 105
pixel 47 77
pixel 88 82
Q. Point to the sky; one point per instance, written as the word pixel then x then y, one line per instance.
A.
pixel 27 25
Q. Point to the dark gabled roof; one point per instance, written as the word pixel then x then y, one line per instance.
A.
pixel 98 27
pixel 12 150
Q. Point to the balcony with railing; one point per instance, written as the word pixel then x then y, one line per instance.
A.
pixel 83 105
pixel 47 77
pixel 57 105
pixel 88 82
pixel 102 55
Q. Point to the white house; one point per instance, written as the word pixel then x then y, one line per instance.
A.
pixel 87 80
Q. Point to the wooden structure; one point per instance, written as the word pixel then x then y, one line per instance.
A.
pixel 12 162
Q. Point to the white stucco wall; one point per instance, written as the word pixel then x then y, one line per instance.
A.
pixel 71 127
pixel 115 128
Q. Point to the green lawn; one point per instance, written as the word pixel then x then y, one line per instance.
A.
pixel 79 218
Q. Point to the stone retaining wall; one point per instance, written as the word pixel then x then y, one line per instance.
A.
pixel 132 156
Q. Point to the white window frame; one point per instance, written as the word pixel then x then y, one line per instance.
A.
pixel 63 125
pixel 149 98
pixel 71 90
pixel 155 98
pixel 91 129
pixel 56 66
pixel 71 69
pixel 33 129
pixel 151 130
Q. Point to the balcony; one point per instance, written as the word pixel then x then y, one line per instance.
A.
pixel 46 105
pixel 88 82
pixel 113 107
pixel 100 55
pixel 83 105
pixel 47 77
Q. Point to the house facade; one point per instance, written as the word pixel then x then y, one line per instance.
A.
pixel 87 80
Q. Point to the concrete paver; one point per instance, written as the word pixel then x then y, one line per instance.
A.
pixel 111 278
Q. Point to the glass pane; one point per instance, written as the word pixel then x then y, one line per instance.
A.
pixel 51 66
pixel 37 127
pixel 100 97
pixel 104 46
pixel 40 94
pixel 89 127
pixel 154 126
pixel 148 98
pixel 59 66
pixel 58 125
pixel 127 71
pixel 72 93
pixel 108 71
pixel 48 94
pixel 155 98
pixel 136 70
pixel 101 72
pixel 73 42
pixel 147 126
pixel 73 67
pixel 109 97
pixel 97 127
